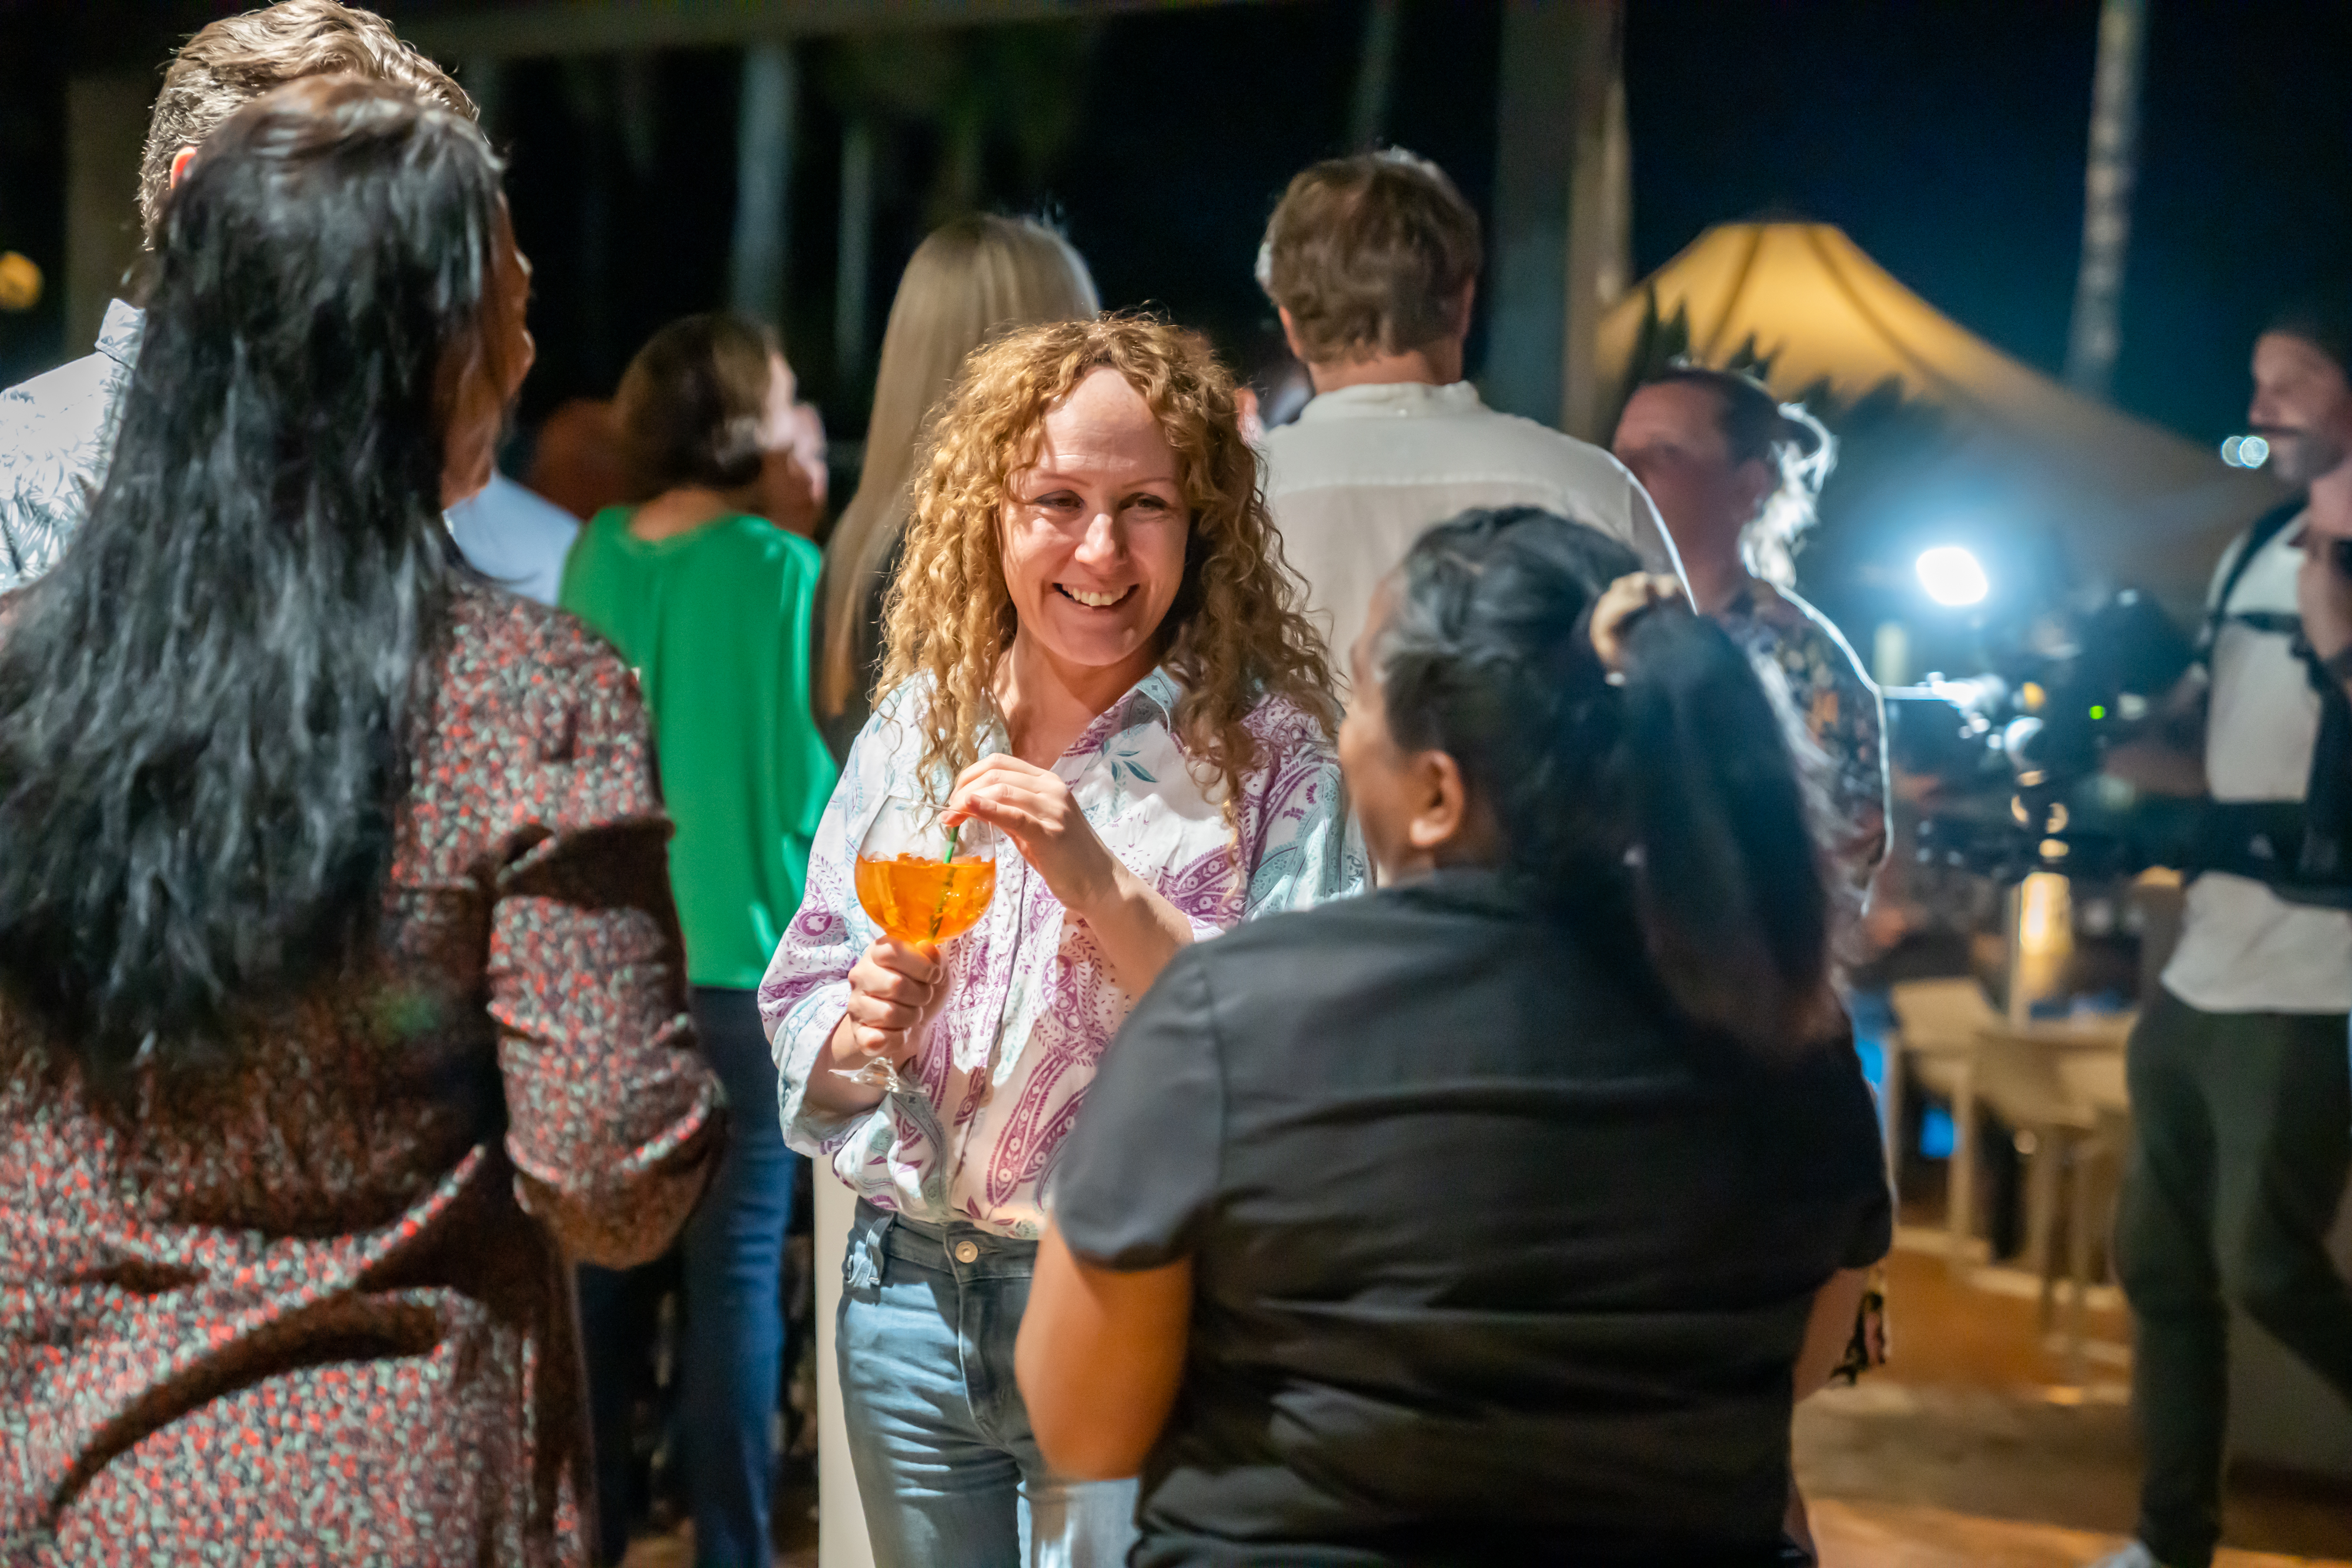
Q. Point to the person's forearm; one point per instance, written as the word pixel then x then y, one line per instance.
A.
pixel 1829 1329
pixel 828 1091
pixel 2155 767
pixel 1099 1358
pixel 1137 930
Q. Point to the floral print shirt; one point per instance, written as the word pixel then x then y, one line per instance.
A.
pixel 56 434
pixel 1845 721
pixel 315 1305
pixel 1000 1075
pixel 1841 715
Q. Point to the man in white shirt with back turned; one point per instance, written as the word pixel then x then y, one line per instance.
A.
pixel 2241 1091
pixel 1373 263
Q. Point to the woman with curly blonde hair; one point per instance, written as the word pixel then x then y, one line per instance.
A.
pixel 1096 648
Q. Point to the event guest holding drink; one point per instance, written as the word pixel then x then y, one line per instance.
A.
pixel 341 996
pixel 1096 653
pixel 1499 1216
pixel 711 603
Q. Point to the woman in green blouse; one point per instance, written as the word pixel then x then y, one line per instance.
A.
pixel 711 602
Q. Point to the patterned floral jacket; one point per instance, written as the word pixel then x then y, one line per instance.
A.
pixel 1842 715
pixel 316 1306
pixel 1005 1065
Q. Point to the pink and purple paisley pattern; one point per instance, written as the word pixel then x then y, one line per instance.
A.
pixel 1005 1067
pixel 316 1307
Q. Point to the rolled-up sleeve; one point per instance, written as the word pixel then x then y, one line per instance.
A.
pixel 615 1121
pixel 806 988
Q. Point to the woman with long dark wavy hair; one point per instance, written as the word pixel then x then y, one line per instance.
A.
pixel 340 991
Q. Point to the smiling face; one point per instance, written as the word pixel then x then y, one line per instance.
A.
pixel 2302 406
pixel 1095 529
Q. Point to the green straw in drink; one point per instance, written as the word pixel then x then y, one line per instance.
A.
pixel 947 884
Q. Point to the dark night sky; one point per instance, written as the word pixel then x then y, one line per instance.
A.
pixel 1948 141
pixel 1946 137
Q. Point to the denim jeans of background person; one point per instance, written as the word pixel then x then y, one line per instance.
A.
pixel 734 1262
pixel 711 605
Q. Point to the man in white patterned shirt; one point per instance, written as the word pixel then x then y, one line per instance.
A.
pixel 56 431
pixel 1373 263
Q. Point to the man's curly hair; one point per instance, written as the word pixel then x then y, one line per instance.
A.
pixel 1236 632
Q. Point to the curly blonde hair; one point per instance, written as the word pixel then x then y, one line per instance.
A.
pixel 1236 633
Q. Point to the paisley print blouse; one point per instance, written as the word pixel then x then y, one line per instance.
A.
pixel 999 1076
pixel 316 1306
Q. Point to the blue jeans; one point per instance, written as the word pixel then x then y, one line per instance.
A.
pixel 734 1352
pixel 947 1468
pixel 734 1355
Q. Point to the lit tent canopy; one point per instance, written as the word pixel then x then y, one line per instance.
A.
pixel 2133 503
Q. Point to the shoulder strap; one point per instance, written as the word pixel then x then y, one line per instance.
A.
pixel 2266 528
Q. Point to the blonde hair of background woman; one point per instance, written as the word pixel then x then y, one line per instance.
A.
pixel 973 279
pixel 1235 634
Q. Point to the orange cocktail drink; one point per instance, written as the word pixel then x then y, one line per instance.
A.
pixel 919 898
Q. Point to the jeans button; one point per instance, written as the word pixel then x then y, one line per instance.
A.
pixel 966 1253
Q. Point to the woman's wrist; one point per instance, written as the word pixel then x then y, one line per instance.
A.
pixel 1107 889
pixel 827 1090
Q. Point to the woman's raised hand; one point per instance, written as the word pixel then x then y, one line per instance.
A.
pixel 1036 810
pixel 1623 599
pixel 894 989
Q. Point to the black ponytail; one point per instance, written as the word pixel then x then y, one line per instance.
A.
pixel 1733 910
pixel 1667 806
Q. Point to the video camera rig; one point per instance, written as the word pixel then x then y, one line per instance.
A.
pixel 2016 752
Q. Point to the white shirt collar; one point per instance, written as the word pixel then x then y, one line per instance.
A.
pixel 1391 399
pixel 118 335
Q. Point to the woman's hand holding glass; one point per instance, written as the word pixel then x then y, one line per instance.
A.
pixel 895 988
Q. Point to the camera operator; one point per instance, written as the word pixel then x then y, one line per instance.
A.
pixel 2241 1104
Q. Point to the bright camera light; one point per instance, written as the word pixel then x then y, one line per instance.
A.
pixel 1951 576
pixel 2245 452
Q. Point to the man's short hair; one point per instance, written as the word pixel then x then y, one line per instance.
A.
pixel 238 58
pixel 2321 317
pixel 1370 254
